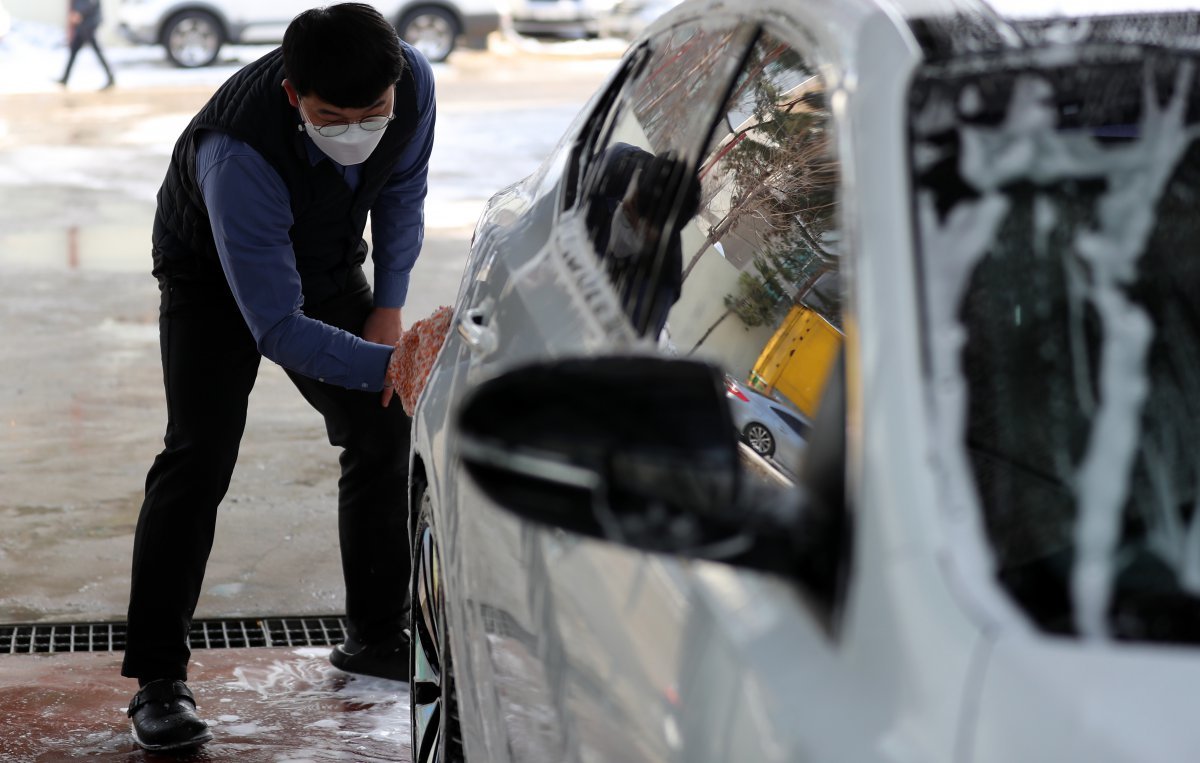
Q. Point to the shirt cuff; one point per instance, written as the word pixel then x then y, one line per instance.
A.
pixel 391 288
pixel 368 366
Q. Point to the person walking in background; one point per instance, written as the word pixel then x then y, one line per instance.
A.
pixel 82 22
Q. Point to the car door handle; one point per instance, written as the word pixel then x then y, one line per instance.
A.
pixel 473 328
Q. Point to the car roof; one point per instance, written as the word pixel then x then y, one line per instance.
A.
pixel 944 29
pixel 1039 9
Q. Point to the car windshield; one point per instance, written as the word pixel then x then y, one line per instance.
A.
pixel 1056 201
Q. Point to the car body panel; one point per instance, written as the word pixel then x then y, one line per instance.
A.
pixel 1137 696
pixel 599 652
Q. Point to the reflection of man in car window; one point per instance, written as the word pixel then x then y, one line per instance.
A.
pixel 639 205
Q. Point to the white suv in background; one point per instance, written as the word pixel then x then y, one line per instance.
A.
pixel 193 31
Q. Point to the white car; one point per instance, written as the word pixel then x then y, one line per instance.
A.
pixel 193 31
pixel 559 18
pixel 992 550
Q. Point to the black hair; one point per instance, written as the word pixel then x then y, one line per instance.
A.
pixel 347 54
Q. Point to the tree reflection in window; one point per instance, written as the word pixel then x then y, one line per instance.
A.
pixel 761 258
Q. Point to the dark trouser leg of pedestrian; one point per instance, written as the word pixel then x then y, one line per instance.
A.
pixel 209 366
pixel 103 62
pixel 372 507
pixel 76 44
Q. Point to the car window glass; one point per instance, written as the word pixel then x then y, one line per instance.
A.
pixel 796 425
pixel 759 280
pixel 599 125
pixel 638 183
pixel 1055 208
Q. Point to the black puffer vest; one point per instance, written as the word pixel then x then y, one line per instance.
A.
pixel 328 218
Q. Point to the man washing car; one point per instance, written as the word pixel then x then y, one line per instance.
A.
pixel 258 251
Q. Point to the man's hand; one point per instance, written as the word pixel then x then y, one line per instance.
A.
pixel 384 326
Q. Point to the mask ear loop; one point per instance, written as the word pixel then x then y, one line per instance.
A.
pixel 300 113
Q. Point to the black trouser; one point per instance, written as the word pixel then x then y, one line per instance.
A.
pixel 85 36
pixel 209 365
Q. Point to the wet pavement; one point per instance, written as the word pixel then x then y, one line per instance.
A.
pixel 265 705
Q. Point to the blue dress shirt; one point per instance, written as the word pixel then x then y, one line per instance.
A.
pixel 250 211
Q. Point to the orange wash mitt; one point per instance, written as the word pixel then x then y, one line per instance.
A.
pixel 413 357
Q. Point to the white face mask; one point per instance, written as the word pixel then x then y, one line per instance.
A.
pixel 351 147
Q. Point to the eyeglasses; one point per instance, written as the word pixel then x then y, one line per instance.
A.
pixel 370 124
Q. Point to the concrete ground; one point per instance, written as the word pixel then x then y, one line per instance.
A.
pixel 81 406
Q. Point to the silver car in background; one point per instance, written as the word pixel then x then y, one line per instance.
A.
pixel 774 430
pixel 991 552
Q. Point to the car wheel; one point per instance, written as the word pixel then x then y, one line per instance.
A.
pixel 192 38
pixel 759 438
pixel 434 708
pixel 430 30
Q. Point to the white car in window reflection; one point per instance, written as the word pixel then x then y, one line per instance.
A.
pixel 962 237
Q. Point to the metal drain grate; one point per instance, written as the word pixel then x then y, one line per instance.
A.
pixel 205 634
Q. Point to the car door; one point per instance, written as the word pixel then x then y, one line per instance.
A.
pixel 760 676
pixel 696 206
pixel 709 194
pixel 621 616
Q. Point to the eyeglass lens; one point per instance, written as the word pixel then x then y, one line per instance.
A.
pixel 370 124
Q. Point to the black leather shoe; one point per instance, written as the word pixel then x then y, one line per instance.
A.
pixel 387 659
pixel 164 717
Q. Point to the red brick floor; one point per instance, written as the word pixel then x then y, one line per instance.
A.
pixel 265 705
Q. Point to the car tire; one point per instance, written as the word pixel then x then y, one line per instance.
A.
pixel 760 439
pixel 436 735
pixel 193 38
pixel 431 30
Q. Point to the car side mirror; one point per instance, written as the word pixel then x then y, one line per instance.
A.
pixel 637 450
